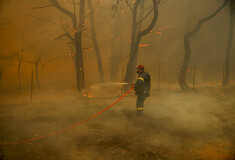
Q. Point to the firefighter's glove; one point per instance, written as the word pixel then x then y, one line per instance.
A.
pixel 133 85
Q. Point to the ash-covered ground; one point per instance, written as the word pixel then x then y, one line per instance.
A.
pixel 175 126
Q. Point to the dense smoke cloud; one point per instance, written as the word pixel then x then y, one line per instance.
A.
pixel 175 125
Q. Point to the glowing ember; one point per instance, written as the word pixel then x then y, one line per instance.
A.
pixel 143 45
pixel 155 32
pixel 89 95
pixel 70 54
pixel 87 49
pixel 158 32
pixel 166 27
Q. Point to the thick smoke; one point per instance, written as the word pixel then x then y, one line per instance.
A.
pixel 175 125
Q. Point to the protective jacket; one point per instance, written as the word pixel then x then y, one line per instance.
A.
pixel 140 85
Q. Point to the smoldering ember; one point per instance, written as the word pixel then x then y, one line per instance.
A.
pixel 117 80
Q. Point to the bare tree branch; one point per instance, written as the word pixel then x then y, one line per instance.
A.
pixel 115 6
pixel 148 14
pixel 90 13
pixel 50 60
pixel 62 9
pixel 153 22
pixel 50 5
pixel 129 6
pixel 187 48
pixel 72 3
pixel 145 16
pixel 43 19
pixel 60 36
pixel 67 35
pixel 201 21
pixel 94 9
pixel 48 21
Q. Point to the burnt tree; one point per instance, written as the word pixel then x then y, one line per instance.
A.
pixel 20 57
pixel 78 30
pixel 115 52
pixel 230 40
pixel 182 75
pixel 136 37
pixel 36 70
pixel 95 43
pixel 116 43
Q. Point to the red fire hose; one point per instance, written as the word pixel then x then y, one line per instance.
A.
pixel 51 134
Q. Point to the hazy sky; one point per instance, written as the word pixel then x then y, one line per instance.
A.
pixel 165 43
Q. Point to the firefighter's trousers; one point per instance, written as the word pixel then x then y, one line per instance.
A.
pixel 140 103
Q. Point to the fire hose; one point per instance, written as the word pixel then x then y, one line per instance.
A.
pixel 70 127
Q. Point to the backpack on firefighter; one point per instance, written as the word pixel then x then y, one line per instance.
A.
pixel 148 84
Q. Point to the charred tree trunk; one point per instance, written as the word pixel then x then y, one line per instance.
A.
pixel 114 61
pixel 229 48
pixel 78 29
pixel 19 66
pixel 1 75
pixel 20 57
pixel 116 47
pixel 36 72
pixel 37 77
pixel 182 76
pixel 139 27
pixel 78 46
pixel 95 43
pixel 79 61
pixel 115 53
pixel 130 65
pixel 135 40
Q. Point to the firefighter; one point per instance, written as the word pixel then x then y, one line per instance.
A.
pixel 141 89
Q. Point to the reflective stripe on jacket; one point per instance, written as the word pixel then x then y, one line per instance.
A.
pixel 140 86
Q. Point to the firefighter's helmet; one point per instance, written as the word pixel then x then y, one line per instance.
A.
pixel 140 67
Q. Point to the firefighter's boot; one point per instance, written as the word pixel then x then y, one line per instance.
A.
pixel 139 111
